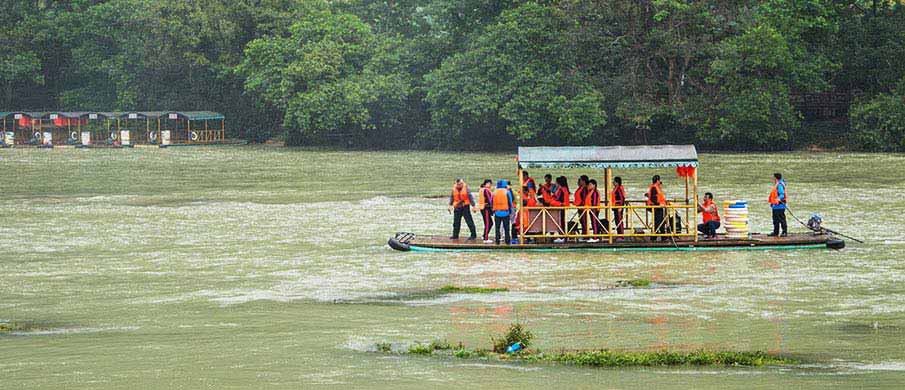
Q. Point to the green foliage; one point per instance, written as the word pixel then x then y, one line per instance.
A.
pixel 449 289
pixel 606 358
pixel 330 75
pixel 517 73
pixel 515 334
pixel 879 123
pixel 633 283
pixel 469 74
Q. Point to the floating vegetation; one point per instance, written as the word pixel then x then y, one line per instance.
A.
pixel 384 347
pixel 470 290
pixel 16 327
pixel 424 349
pixel 517 334
pixel 606 358
pixel 633 283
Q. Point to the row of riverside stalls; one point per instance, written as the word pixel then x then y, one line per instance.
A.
pixel 111 129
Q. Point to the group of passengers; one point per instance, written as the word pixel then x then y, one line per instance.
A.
pixel 495 204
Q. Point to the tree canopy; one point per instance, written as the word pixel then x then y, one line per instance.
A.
pixel 737 74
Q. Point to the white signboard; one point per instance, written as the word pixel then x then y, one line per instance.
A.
pixel 92 116
pixel 53 116
pixel 10 137
pixel 86 138
pixel 124 137
pixel 17 116
pixel 133 116
pixel 165 137
pixel 48 138
pixel 174 116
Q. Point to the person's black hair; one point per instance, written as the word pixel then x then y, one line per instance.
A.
pixel 778 176
pixel 592 181
pixel 486 181
pixel 655 179
pixel 562 181
pixel 524 173
pixel 707 194
pixel 584 178
pixel 617 179
pixel 548 176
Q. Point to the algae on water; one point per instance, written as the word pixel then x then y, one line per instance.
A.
pixel 449 289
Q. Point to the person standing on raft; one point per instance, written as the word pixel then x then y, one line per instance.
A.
pixel 502 209
pixel 617 198
pixel 711 217
pixel 592 202
pixel 461 204
pixel 655 197
pixel 485 205
pixel 778 201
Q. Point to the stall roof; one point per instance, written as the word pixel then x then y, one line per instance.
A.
pixel 198 115
pixel 641 156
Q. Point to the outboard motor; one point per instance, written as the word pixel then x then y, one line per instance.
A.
pixel 815 222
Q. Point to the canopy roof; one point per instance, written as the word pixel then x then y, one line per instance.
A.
pixel 642 156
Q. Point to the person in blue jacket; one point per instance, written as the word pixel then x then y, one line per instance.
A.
pixel 778 202
pixel 502 209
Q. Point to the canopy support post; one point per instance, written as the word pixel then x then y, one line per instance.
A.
pixel 608 178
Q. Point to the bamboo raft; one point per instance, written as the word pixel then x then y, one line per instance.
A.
pixel 411 242
pixel 542 226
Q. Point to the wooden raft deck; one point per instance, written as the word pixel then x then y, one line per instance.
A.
pixel 408 241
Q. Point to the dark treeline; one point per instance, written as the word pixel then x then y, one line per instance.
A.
pixel 737 75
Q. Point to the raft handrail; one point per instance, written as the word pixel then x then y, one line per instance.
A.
pixel 609 228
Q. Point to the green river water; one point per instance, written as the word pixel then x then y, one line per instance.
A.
pixel 259 267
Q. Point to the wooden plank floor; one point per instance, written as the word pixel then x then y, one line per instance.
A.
pixel 795 239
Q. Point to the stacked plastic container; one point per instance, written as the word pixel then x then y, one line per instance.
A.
pixel 735 214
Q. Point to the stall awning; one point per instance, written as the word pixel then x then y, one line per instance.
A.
pixel 642 156
pixel 195 115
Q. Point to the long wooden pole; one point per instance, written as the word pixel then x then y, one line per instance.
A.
pixel 521 223
pixel 695 204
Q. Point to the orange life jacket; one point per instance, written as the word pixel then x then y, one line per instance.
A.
pixel 501 199
pixel 708 216
pixel 621 191
pixel 460 197
pixel 483 197
pixel 774 194
pixel 580 194
pixel 560 198
pixel 546 192
pixel 661 199
pixel 592 198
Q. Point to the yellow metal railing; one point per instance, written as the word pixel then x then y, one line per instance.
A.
pixel 566 222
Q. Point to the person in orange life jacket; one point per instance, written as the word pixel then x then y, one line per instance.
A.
pixel 522 215
pixel 560 198
pixel 580 195
pixel 592 199
pixel 617 198
pixel 778 202
pixel 711 217
pixel 461 204
pixel 655 197
pixel 529 187
pixel 547 189
pixel 502 209
pixel 485 205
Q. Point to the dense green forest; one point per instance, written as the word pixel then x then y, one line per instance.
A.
pixel 475 74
